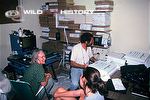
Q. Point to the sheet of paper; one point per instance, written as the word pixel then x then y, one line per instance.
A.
pixel 1 91
pixel 137 56
pixel 118 84
pixel 39 90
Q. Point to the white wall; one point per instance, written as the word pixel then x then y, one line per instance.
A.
pixel 129 22
pixel 30 22
pixel 5 42
pixel 0 47
pixel 149 25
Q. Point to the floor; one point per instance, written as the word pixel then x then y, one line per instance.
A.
pixel 63 77
pixel 64 81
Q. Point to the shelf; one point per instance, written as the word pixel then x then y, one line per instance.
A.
pixel 90 30
pixel 97 46
pixel 48 38
pixel 98 26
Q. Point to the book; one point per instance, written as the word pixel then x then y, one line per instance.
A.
pixel 118 85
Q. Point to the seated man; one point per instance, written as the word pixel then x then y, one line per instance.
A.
pixel 35 74
pixel 81 55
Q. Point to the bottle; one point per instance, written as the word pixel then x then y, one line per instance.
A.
pixel 109 40
pixel 47 6
pixel 126 63
pixel 20 32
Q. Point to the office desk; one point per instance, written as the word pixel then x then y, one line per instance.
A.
pixel 18 64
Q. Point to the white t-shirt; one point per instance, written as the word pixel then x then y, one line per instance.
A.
pixel 95 96
pixel 80 55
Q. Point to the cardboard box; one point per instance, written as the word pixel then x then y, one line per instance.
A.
pixel 74 26
pixel 43 24
pixel 72 39
pixel 51 0
pixel 104 6
pixel 52 32
pixel 99 9
pixel 66 1
pixel 52 46
pixel 65 23
pixel 44 19
pixel 76 7
pixel 101 28
pixel 106 2
pixel 62 36
pixel 85 26
pixel 74 35
pixel 101 19
pixel 64 4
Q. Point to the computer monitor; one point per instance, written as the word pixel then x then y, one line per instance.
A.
pixel 98 40
pixel 22 45
pixel 28 43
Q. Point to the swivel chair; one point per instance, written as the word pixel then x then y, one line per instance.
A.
pixel 23 91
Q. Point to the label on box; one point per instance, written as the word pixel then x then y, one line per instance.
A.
pixel 74 35
pixel 101 19
pixel 85 26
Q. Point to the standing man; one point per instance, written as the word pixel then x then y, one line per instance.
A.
pixel 35 74
pixel 80 56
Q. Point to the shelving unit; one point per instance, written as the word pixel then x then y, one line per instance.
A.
pixel 70 31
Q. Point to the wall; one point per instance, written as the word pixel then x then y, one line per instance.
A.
pixel 130 26
pixel 30 22
pixel 5 43
pixel 0 47
pixel 130 21
pixel 149 25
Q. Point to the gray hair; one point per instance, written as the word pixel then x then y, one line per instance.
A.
pixel 34 56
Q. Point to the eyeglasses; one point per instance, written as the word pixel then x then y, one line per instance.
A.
pixel 42 57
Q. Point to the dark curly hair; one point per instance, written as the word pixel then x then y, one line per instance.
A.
pixel 86 37
pixel 94 82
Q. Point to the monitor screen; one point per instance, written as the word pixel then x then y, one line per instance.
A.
pixel 98 40
pixel 28 43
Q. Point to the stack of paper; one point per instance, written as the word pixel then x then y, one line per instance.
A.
pixel 105 68
pixel 135 57
pixel 45 31
pixel 40 89
pixel 101 19
pixel 147 62
pixel 117 57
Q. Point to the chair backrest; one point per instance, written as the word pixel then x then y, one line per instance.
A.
pixel 23 90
